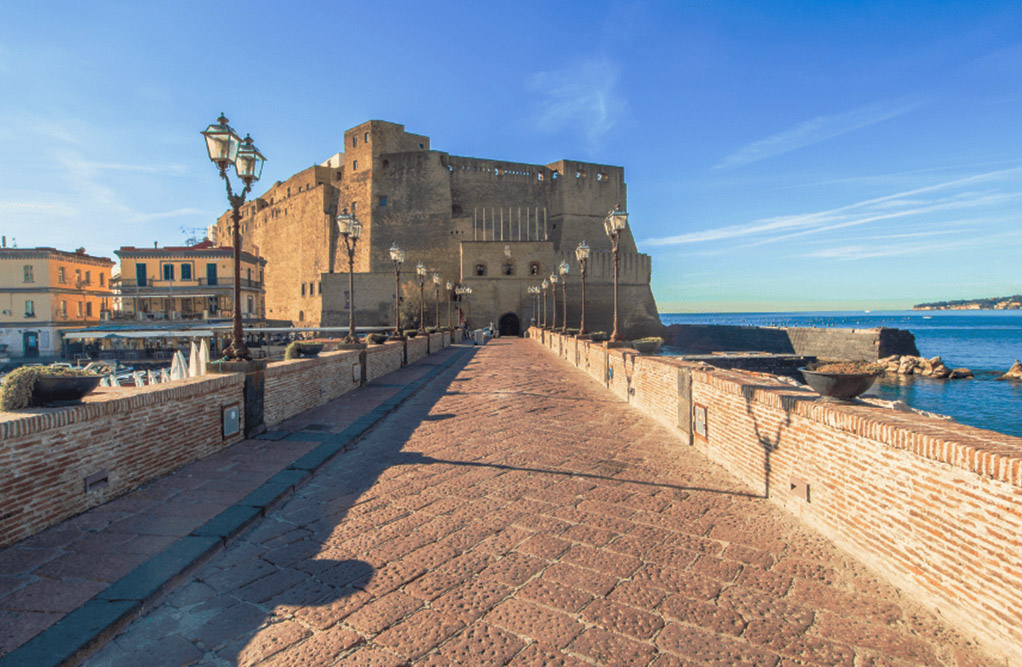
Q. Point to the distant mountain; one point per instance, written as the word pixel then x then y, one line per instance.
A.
pixel 993 303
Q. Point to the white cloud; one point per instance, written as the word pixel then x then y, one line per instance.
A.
pixel 582 97
pixel 818 129
pixel 898 205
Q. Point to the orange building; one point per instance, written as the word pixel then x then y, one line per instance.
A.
pixel 45 290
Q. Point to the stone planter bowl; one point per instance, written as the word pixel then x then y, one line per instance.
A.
pixel 62 388
pixel 838 386
pixel 647 346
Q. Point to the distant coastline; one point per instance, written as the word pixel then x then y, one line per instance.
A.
pixel 993 303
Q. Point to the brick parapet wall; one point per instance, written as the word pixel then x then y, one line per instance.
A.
pixel 45 457
pixel 436 342
pixel 138 434
pixel 296 385
pixel 416 348
pixel 934 506
pixel 382 359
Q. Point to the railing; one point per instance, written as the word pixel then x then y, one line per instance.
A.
pixel 198 282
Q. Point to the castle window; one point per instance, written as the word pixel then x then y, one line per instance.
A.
pixel 303 289
pixel 422 146
pixel 79 309
pixel 383 200
pixel 29 308
pixel 88 309
pixel 63 308
pixel 365 137
pixel 168 271
pixel 386 163
pixel 456 209
pixel 354 141
pixel 88 277
pixel 354 206
pixel 540 176
pixel 600 176
pixel 301 315
pixel 186 272
pixel 480 269
pixel 28 276
pixel 61 275
pixel 320 287
pixel 101 280
pixel 534 268
pixel 556 175
pixel 508 269
pixel 354 165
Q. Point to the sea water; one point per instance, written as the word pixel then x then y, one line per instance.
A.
pixel 985 341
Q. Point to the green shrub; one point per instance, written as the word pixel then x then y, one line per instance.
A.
pixel 598 336
pixel 299 348
pixel 16 392
pixel 431 330
pixel 649 339
pixel 410 333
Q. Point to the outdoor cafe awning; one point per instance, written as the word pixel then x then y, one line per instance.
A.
pixel 152 333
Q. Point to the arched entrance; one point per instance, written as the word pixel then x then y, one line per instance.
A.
pixel 509 325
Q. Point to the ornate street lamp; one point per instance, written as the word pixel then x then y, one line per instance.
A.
pixel 463 291
pixel 450 304
pixel 420 276
pixel 397 255
pixel 544 285
pixel 534 291
pixel 351 229
pixel 225 148
pixel 436 286
pixel 563 268
pixel 553 303
pixel 615 223
pixel 582 255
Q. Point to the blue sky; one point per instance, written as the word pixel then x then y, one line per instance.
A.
pixel 779 155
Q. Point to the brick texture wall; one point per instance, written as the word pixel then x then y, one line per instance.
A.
pixel 140 434
pixel 297 385
pixel 382 359
pixel 934 506
pixel 46 455
pixel 416 348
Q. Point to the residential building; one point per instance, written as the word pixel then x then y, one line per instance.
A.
pixel 187 282
pixel 45 290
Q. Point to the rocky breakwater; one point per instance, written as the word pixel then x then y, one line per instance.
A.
pixel 1014 373
pixel 934 368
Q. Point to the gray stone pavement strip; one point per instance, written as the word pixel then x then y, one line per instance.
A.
pixel 50 609
pixel 514 512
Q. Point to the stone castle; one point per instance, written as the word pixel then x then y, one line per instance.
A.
pixel 496 226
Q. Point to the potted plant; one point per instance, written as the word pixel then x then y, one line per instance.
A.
pixel 841 381
pixel 650 345
pixel 411 333
pixel 377 338
pixel 298 349
pixel 40 385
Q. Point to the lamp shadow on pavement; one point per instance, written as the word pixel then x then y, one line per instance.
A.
pixel 310 562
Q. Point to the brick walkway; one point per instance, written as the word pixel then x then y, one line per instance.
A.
pixel 513 512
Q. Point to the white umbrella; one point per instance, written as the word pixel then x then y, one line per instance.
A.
pixel 178 368
pixel 203 355
pixel 193 361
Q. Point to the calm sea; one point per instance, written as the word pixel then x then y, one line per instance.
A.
pixel 987 342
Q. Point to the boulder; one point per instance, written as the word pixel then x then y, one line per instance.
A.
pixel 907 365
pixel 940 372
pixel 1014 373
pixel 959 373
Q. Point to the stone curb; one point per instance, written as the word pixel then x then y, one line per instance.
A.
pixel 74 637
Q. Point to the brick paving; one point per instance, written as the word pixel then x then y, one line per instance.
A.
pixel 45 577
pixel 514 512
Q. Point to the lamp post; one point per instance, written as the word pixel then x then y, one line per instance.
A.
pixel 226 148
pixel 351 229
pixel 543 287
pixel 436 286
pixel 534 291
pixel 615 223
pixel 553 302
pixel 397 255
pixel 563 268
pixel 450 320
pixel 463 291
pixel 420 276
pixel 582 255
